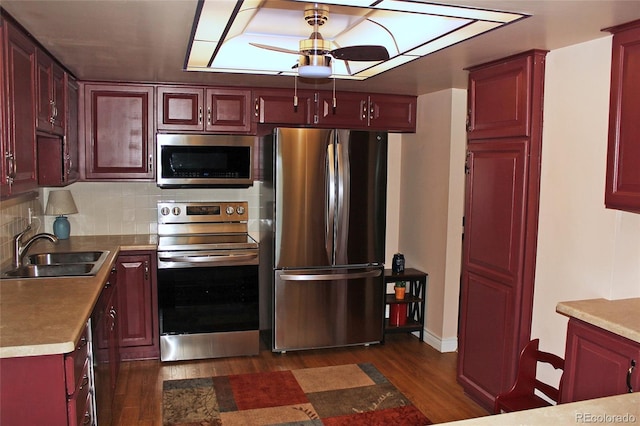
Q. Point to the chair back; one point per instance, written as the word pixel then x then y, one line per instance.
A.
pixel 522 394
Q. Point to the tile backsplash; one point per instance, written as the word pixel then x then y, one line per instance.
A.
pixel 14 218
pixel 113 208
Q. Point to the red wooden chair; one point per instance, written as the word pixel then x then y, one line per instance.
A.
pixel 521 396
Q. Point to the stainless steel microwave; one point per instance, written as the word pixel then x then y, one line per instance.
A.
pixel 185 160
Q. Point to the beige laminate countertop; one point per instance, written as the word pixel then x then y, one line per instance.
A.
pixel 619 409
pixel 46 316
pixel 621 317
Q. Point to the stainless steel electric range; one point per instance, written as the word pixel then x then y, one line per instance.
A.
pixel 207 281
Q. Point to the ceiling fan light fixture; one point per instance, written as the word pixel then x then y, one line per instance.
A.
pixel 314 66
pixel 314 71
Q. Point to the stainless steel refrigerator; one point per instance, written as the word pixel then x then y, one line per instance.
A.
pixel 327 237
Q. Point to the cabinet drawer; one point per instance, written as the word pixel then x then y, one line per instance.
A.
pixel 75 364
pixel 79 404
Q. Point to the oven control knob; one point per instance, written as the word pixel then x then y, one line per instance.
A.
pixel 165 211
pixel 230 210
pixel 176 211
pixel 240 210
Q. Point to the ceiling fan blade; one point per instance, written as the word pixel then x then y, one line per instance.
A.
pixel 275 48
pixel 361 53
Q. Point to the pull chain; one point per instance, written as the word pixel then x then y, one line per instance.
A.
pixel 335 102
pixel 295 93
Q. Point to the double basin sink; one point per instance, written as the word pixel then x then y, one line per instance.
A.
pixel 70 264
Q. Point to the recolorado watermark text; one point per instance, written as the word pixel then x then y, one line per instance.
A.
pixel 605 418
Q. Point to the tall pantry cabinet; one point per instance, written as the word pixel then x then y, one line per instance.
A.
pixel 504 139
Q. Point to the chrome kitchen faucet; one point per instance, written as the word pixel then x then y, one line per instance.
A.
pixel 20 249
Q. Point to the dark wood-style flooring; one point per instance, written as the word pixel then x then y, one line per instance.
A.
pixel 426 376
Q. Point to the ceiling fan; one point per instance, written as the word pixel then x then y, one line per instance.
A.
pixel 316 52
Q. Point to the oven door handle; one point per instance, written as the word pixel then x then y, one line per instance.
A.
pixel 209 259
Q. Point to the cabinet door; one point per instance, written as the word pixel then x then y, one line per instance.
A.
pixel 180 108
pixel 351 110
pixel 392 112
pixel 50 160
pixel 33 391
pixel 623 174
pixel 278 107
pixel 44 91
pixel 228 110
pixel 58 95
pixel 598 363
pixel 50 105
pixel 119 132
pixel 4 144
pixel 113 322
pixel 71 140
pixel 137 306
pixel 499 100
pixel 20 145
pixel 489 333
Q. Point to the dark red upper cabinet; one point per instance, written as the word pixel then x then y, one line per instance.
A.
pixel 180 108
pixel 229 110
pixel 623 155
pixel 499 100
pixel 343 109
pixel 18 139
pixel 396 113
pixel 200 109
pixel 367 111
pixel 280 106
pixel 118 125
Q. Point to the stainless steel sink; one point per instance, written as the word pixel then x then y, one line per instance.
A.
pixel 70 257
pixel 59 264
pixel 58 270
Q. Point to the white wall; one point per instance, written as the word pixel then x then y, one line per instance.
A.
pixel 432 201
pixel 584 250
pixel 393 196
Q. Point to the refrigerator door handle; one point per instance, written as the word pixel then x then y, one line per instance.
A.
pixel 330 207
pixel 343 177
pixel 329 277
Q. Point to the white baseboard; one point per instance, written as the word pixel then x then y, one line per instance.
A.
pixel 441 345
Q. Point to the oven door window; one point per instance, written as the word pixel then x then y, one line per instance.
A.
pixel 207 300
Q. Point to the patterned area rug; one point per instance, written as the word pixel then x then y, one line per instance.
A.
pixel 351 395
